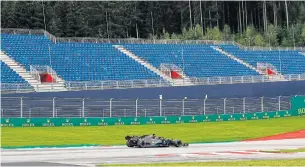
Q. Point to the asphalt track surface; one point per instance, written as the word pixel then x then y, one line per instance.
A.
pixel 91 156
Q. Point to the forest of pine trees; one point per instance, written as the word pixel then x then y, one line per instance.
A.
pixel 251 23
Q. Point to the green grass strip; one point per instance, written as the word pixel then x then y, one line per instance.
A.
pixel 286 151
pixel 114 135
pixel 288 162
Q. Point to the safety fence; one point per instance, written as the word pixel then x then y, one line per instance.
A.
pixel 297 109
pixel 24 107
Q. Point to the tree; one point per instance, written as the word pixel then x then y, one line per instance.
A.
pixel 146 19
pixel 213 34
pixel 271 36
pixel 165 35
pixel 302 37
pixel 198 32
pixel 174 36
pixel 259 40
pixel 249 35
pixel 226 32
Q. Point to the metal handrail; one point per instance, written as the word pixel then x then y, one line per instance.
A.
pixel 125 84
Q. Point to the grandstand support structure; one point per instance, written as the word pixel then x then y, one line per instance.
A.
pixel 33 80
pixel 174 82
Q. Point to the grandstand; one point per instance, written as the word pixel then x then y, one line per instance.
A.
pixel 40 61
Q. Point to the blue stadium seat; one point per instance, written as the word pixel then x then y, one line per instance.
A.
pixel 10 76
pixel 75 61
pixel 99 61
pixel 286 62
pixel 197 60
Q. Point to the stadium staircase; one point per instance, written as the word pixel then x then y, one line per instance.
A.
pixel 28 77
pixel 236 59
pixel 278 77
pixel 174 82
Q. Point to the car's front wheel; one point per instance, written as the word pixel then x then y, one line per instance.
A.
pixel 178 143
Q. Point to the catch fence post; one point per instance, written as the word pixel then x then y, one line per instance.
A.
pixel 160 96
pixel 110 107
pixel 183 105
pixel 279 103
pixel 204 106
pixel 224 105
pixel 54 106
pixel 83 108
pixel 262 104
pixel 137 107
pixel 244 104
pixel 21 107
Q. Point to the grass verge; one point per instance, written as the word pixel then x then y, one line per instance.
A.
pixel 288 162
pixel 114 135
pixel 286 151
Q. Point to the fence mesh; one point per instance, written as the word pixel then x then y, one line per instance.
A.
pixel 87 107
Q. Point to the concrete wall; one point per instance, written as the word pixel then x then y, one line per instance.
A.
pixel 213 91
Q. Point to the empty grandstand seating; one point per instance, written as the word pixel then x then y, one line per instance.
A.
pixel 286 62
pixel 10 76
pixel 100 61
pixel 197 60
pixel 74 61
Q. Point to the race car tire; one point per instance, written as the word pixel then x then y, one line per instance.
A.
pixel 129 144
pixel 185 144
pixel 142 144
pixel 178 143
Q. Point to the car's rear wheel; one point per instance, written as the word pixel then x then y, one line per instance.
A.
pixel 129 144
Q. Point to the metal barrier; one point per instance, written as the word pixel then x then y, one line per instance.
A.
pixel 22 107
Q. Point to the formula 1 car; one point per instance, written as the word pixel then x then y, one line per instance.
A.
pixel 146 141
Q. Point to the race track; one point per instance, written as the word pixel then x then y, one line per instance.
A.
pixel 91 156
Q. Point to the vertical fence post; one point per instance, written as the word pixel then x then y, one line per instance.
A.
pixel 137 107
pixel 54 106
pixel 110 107
pixel 21 107
pixel 204 106
pixel 160 96
pixel 262 104
pixel 279 103
pixel 83 108
pixel 299 77
pixel 183 105
pixel 244 104
pixel 224 105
